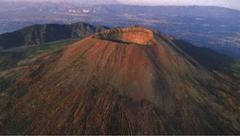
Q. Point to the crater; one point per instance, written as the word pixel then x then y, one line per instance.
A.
pixel 132 35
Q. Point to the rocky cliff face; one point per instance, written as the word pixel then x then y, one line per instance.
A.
pixel 120 81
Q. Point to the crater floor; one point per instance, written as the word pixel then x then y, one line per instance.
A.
pixel 135 35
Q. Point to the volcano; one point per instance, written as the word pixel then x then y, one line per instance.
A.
pixel 120 81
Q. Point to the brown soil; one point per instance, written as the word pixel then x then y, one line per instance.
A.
pixel 108 84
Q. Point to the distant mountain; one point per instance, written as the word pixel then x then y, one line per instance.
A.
pixel 209 58
pixel 93 2
pixel 213 27
pixel 120 81
pixel 40 34
pixel 83 2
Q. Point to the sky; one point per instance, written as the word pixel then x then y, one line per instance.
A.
pixel 234 4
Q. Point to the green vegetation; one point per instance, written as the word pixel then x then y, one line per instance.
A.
pixel 19 91
pixel 41 34
pixel 210 59
pixel 17 57
pixel 236 69
pixel 14 127
pixel 6 82
pixel 11 58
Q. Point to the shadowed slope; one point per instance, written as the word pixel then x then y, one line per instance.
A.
pixel 40 34
pixel 109 84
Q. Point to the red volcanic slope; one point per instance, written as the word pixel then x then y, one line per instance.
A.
pixel 122 81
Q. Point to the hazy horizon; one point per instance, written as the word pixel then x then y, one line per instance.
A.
pixel 233 4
